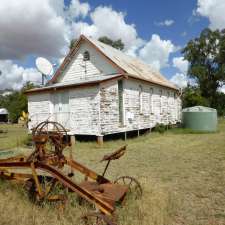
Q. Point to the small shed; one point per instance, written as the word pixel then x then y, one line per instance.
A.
pixel 4 115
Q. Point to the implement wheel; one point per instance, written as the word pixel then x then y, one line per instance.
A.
pixel 97 219
pixel 52 190
pixel 134 186
pixel 50 139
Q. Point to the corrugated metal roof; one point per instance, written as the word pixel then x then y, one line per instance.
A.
pixel 133 66
pixel 75 83
pixel 3 111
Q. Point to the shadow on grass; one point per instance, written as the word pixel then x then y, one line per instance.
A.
pixel 190 131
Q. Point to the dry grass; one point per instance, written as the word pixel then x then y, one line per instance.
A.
pixel 11 135
pixel 183 177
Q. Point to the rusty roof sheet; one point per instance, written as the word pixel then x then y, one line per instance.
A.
pixel 133 66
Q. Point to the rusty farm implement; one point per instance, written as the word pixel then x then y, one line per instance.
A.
pixel 44 170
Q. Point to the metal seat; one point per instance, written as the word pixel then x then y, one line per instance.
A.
pixel 109 192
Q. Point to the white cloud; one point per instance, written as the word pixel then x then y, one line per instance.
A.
pixel 166 23
pixel 214 11
pixel 14 76
pixel 181 64
pixel 222 89
pixel 29 27
pixel 84 28
pixel 108 22
pixel 156 52
pixel 77 9
pixel 38 27
pixel 45 27
pixel 180 79
pixel 134 49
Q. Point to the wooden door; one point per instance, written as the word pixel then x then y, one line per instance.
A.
pixel 61 108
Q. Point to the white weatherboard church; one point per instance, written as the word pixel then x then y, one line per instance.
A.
pixel 99 90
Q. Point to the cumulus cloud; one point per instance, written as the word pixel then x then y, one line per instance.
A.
pixel 14 76
pixel 36 27
pixel 77 9
pixel 133 50
pixel 214 11
pixel 181 64
pixel 156 52
pixel 115 26
pixel 84 28
pixel 45 27
pixel 180 79
pixel 29 27
pixel 166 23
pixel 222 89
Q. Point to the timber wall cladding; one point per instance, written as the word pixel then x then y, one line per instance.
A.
pixel 80 70
pixel 109 107
pixel 84 110
pixel 159 105
pixel 39 105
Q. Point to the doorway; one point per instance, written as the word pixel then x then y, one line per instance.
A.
pixel 61 108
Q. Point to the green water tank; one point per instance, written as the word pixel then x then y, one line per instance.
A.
pixel 200 118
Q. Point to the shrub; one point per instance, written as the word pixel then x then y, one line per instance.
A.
pixel 161 128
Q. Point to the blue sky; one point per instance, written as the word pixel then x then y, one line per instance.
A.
pixel 154 31
pixel 145 13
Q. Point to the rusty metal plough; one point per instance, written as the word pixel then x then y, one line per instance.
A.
pixel 44 170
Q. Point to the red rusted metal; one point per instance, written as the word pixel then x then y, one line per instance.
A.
pixel 50 140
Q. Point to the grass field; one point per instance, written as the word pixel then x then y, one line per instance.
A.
pixel 183 177
pixel 11 136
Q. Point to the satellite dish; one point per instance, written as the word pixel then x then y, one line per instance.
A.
pixel 44 67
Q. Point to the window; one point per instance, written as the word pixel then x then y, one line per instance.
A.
pixel 151 100
pixel 140 99
pixel 86 56
pixel 120 98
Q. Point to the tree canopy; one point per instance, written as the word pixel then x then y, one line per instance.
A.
pixel 118 44
pixel 206 57
pixel 16 102
pixel 192 96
